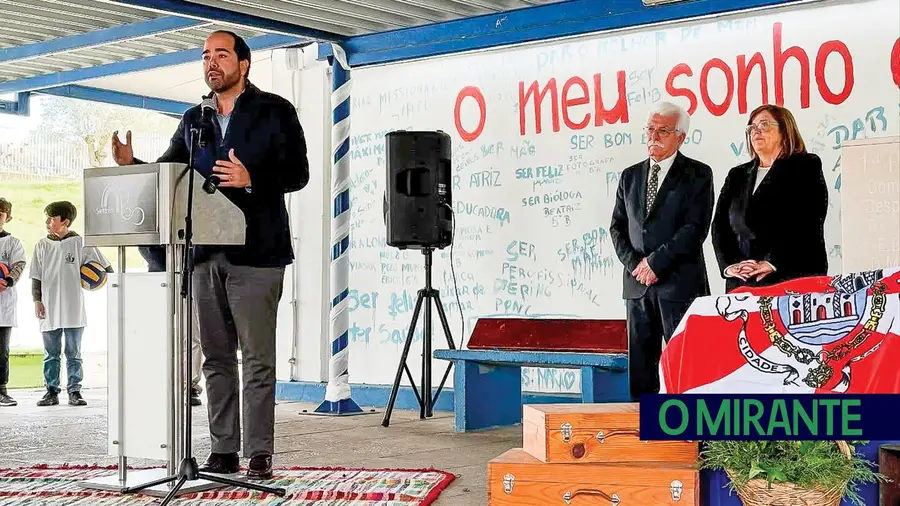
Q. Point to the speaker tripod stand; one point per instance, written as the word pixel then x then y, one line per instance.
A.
pixel 425 296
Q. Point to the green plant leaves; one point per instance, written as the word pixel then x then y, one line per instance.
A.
pixel 806 464
pixel 755 469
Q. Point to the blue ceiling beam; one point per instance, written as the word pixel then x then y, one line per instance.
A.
pixel 549 21
pixel 123 67
pixel 205 12
pixel 98 38
pixel 173 107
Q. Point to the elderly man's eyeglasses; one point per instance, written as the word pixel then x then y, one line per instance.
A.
pixel 762 126
pixel 662 132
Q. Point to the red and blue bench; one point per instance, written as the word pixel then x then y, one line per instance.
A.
pixel 487 381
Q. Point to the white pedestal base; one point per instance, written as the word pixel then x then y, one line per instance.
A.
pixel 136 478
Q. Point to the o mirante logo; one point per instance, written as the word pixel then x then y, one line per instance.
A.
pixel 768 417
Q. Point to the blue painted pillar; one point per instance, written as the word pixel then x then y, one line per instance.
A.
pixel 337 392
pixel 19 107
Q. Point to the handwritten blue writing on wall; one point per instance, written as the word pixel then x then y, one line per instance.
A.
pixel 523 149
pixel 522 283
pixel 541 175
pixel 645 95
pixel 465 283
pixel 578 164
pixel 550 380
pixel 472 233
pixel 383 334
pixel 499 214
pixel 559 206
pixel 508 307
pixel 875 120
pixel 485 178
pixel 520 249
pixel 581 142
pixel 585 254
pixel 612 182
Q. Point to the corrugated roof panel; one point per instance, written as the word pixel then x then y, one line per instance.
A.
pixel 36 21
pixel 67 17
pixel 358 17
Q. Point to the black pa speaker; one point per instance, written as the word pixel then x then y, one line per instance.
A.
pixel 418 199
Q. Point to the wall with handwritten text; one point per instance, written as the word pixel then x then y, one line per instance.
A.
pixel 541 133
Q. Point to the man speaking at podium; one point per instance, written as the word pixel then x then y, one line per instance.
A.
pixel 257 150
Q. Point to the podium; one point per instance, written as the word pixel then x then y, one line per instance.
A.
pixel 148 379
pixel 870 204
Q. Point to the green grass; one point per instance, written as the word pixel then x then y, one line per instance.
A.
pixel 26 370
pixel 29 198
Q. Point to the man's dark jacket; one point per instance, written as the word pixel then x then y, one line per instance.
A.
pixel 671 236
pixel 267 138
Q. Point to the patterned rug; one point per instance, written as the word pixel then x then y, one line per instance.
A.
pixel 58 486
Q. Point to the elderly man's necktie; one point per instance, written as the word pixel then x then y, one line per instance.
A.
pixel 652 186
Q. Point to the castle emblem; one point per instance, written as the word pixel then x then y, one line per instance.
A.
pixel 821 331
pixel 823 318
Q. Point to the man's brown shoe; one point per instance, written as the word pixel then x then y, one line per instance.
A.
pixel 260 467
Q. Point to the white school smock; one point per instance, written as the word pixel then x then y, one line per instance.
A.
pixel 57 264
pixel 11 253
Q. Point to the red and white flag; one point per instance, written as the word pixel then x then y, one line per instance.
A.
pixel 828 334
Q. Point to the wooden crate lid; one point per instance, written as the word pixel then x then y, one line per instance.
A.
pixel 526 468
pixel 613 414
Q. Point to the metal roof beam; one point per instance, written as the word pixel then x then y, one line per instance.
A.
pixel 97 38
pixel 123 67
pixel 221 15
pixel 530 24
pixel 119 98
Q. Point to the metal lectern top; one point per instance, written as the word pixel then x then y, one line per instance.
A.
pixel 143 205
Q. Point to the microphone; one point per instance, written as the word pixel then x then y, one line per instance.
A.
pixel 211 184
pixel 207 109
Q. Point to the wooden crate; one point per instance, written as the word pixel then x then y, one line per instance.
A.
pixel 518 479
pixel 608 432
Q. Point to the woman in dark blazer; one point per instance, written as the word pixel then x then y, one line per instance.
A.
pixel 769 222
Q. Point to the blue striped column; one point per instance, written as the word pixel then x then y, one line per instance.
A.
pixel 337 392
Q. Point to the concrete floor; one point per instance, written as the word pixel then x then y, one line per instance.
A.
pixel 77 435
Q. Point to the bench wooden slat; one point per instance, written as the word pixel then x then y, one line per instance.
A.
pixel 556 334
pixel 611 361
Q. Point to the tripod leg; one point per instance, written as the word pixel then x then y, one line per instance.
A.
pixel 443 317
pixel 413 383
pixel 131 490
pixel 412 328
pixel 174 491
pixel 280 492
pixel 425 408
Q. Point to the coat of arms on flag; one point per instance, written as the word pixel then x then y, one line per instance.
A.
pixel 829 334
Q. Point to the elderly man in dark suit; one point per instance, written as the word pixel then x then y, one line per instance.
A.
pixel 662 215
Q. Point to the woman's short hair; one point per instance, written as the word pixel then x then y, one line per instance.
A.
pixel 791 140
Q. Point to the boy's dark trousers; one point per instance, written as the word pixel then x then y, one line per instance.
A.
pixel 5 335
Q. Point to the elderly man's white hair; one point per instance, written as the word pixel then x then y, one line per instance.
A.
pixel 670 109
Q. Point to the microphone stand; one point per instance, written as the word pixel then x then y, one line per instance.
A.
pixel 188 470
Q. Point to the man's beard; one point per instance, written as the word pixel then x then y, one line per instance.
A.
pixel 225 82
